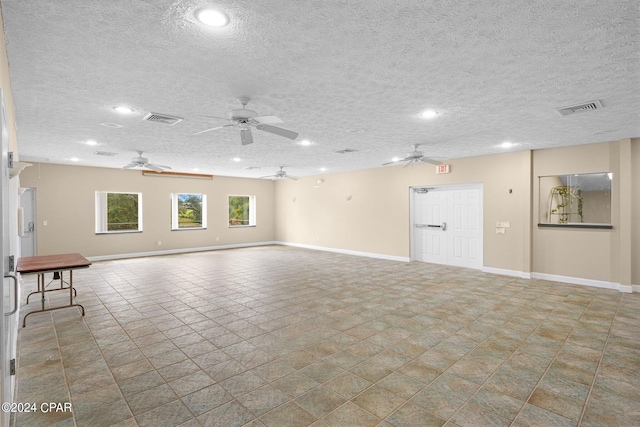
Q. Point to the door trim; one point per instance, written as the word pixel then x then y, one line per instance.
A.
pixel 467 186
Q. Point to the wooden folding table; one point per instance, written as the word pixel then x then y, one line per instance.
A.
pixel 42 264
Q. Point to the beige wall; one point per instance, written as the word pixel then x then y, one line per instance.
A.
pixel 66 200
pixel 376 219
pixel 586 253
pixel 364 211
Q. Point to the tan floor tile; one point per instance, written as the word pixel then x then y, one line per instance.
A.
pixel 443 341
pixel 351 414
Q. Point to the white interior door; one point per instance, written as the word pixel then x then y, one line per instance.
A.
pixel 430 216
pixel 447 225
pixel 28 222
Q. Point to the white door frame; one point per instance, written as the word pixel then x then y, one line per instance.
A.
pixel 412 192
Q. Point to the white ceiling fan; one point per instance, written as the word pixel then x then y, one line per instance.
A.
pixel 281 174
pixel 244 119
pixel 415 157
pixel 143 162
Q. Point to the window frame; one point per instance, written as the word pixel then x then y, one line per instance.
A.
pixel 175 223
pixel 252 211
pixel 102 212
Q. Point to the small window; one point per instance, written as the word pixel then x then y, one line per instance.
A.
pixel 189 211
pixel 242 211
pixel 118 212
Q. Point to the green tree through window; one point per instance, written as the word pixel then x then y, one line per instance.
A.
pixel 122 212
pixel 118 212
pixel 241 210
pixel 189 210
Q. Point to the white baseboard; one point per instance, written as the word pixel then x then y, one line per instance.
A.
pixel 179 251
pixel 346 251
pixel 503 272
pixel 581 281
pixel 491 270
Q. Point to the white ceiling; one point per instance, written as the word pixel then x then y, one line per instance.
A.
pixel 343 73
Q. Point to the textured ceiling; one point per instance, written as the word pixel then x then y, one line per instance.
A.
pixel 343 73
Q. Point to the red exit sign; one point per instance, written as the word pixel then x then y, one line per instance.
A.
pixel 443 168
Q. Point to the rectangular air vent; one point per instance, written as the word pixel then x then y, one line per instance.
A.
pixel 162 118
pixel 105 153
pixel 346 150
pixel 586 106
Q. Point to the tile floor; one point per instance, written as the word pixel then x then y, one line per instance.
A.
pixel 277 336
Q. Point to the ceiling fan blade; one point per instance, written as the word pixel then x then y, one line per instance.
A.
pixel 268 120
pixel 278 131
pixel 163 166
pixel 268 176
pixel 295 178
pixel 130 165
pixel 407 164
pixel 428 160
pixel 210 129
pixel 246 137
pixel 153 167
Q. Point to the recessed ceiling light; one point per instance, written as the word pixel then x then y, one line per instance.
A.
pixel 429 114
pixel 323 169
pixel 305 142
pixel 395 159
pixel 74 159
pixel 91 142
pixel 212 18
pixel 122 109
pixel 237 159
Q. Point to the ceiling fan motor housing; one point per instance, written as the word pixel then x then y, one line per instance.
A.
pixel 242 114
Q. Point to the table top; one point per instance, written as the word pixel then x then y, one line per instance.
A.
pixel 45 263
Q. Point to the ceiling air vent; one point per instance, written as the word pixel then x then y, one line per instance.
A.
pixel 105 153
pixel 586 106
pixel 346 150
pixel 162 118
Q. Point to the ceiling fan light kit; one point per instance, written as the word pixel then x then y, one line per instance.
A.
pixel 281 174
pixel 245 119
pixel 143 162
pixel 414 157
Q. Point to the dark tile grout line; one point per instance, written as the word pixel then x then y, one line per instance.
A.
pixel 604 350
pixel 64 370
